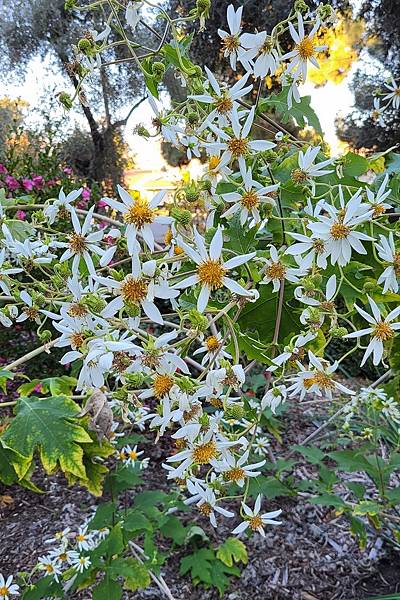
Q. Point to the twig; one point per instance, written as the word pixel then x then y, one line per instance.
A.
pixel 159 581
pixel 29 355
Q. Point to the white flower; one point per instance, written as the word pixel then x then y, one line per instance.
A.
pixel 249 199
pixel 274 398
pixel 82 243
pixel 255 521
pixel 8 588
pixel 211 268
pixel 138 288
pixel 130 455
pixel 217 168
pixel 60 537
pixel 139 215
pixel 80 562
pixel 276 271
pixel 394 94
pixel 387 252
pixel 260 45
pixel 29 311
pixel 191 143
pixel 261 445
pixel 304 51
pixel 50 565
pixel 314 247
pixel 377 200
pixel 238 145
pixel 235 470
pixel 339 229
pixel 213 350
pixel 163 421
pixel 5 272
pixel 326 304
pixel 168 127
pixel 132 14
pixel 84 539
pixel 317 379
pixel 31 252
pixel 206 501
pixel 231 40
pixel 378 112
pixel 308 170
pixel 381 330
pixel 233 376
pixel 63 202
pixel 292 353
pixel 222 99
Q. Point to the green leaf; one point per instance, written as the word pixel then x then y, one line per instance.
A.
pixel 199 565
pixel 174 530
pixel 107 590
pixel 20 230
pixel 350 460
pixel 48 425
pixel 134 573
pixel 393 496
pixel 251 347
pixel 354 164
pixel 270 487
pixel 136 521
pixel 4 377
pixel 314 455
pixel 43 588
pixel 329 500
pixel 219 578
pixel 150 498
pixel 232 550
pixel 241 240
pixel 301 111
pixel 112 544
pixel 8 460
pixel 104 516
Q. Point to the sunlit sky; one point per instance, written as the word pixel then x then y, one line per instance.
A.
pixel 327 101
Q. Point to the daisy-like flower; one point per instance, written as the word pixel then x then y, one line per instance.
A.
pixel 394 94
pixel 260 445
pixel 255 521
pixel 325 304
pixel 377 199
pixel 51 566
pixel 217 168
pixel 191 143
pixel 377 112
pixel 84 539
pixel 166 126
pixel 235 470
pixel 132 13
pixel 276 271
pixel 163 421
pixel 223 100
pixel 61 205
pixel 211 348
pixel 274 397
pixel 217 379
pixel 131 455
pixel 387 252
pixel 82 244
pixel 139 215
pixel 308 169
pixel 293 353
pixel 305 49
pixel 138 289
pixel 381 330
pixel 260 45
pixel 316 379
pixel 60 537
pixel 238 145
pixel 338 229
pixel 313 247
pixel 211 269
pixel 29 311
pixel 5 272
pixel 8 588
pixel 80 562
pixel 247 201
pixel 206 502
pixel 231 40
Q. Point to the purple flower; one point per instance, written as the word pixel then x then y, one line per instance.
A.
pixel 20 214
pixel 27 184
pixel 37 181
pixel 68 171
pixel 11 182
pixel 86 193
pixel 3 169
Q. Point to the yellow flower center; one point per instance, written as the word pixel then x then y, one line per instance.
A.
pixel 321 379
pixel 31 313
pixel 339 231
pixel 80 537
pixel 216 402
pixel 77 340
pixel 396 263
pixel 133 455
pixel 205 509
pixel 383 331
pixel 235 474
pixel 211 273
pixel 49 568
pixel 162 385
pixel 77 310
pixel 319 246
pixel 4 591
pixel 212 343
pixel 249 200
pixel 122 456
pixel 139 214
pixel 203 453
pixel 134 290
pixel 224 105
pixel 238 146
pixel 378 210
pixel 306 48
pixel 397 92
pixel 255 522
pixel 299 176
pixel 178 250
pixel 230 43
pixel 77 243
pixel 213 163
pixel 168 237
pixel 276 270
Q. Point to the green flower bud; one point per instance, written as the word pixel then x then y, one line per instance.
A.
pixel 300 6
pixel 40 300
pixel 65 99
pixel 45 336
pixel 204 420
pixel 186 384
pixel 338 332
pixel 197 71
pixel 142 131
pixel 317 279
pixel 132 310
pixel 368 287
pixel 135 379
pixel 69 4
pixel 203 5
pixel 117 275
pixel 206 185
pixel 181 215
pixel 86 46
pixel 158 69
pixel 93 302
pixel 192 194
pixel 235 411
pixel 198 320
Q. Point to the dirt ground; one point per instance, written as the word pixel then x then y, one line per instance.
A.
pixel 311 556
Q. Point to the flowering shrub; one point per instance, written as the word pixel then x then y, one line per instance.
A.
pixel 297 249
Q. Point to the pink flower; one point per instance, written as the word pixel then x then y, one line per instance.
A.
pixel 20 214
pixel 3 170
pixel 68 171
pixel 103 224
pixel 38 388
pixel 86 193
pixel 101 203
pixel 51 182
pixel 27 184
pixel 11 182
pixel 37 181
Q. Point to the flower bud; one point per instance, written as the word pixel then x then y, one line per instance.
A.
pixel 158 70
pixel 203 5
pixel 86 46
pixel 141 130
pixel 338 332
pixel 132 310
pixel 134 379
pixel 197 71
pixel 300 6
pixel 69 4
pixel 65 99
pixel 206 185
pixel 45 336
pixel 181 215
pixel 369 287
pixel 235 411
pixel 198 320
pixel 93 302
pixel 192 194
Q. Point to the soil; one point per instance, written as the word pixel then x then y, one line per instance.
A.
pixel 311 556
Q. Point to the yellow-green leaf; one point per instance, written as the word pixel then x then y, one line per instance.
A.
pixel 232 550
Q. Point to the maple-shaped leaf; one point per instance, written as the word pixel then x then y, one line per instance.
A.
pixel 232 550
pixel 199 564
pixel 48 425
